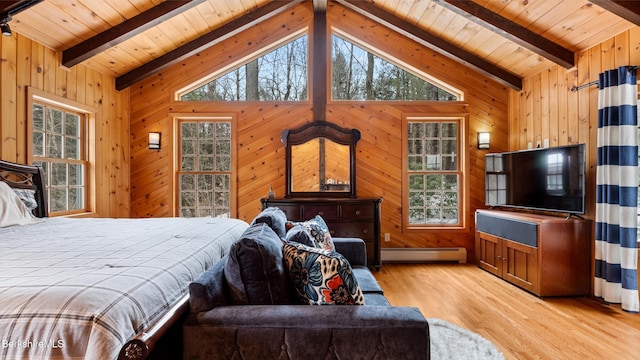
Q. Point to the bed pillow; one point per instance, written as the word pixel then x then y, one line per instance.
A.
pixel 321 277
pixel 317 230
pixel 28 197
pixel 275 218
pixel 254 269
pixel 12 210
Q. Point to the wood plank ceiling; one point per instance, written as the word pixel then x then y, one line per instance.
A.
pixel 505 39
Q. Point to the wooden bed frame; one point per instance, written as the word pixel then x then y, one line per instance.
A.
pixel 141 346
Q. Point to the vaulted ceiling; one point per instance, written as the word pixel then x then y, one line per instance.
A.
pixel 506 40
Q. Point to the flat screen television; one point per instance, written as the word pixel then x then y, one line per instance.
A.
pixel 549 179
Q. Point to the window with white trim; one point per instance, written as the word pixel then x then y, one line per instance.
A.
pixel 59 137
pixel 434 175
pixel 205 171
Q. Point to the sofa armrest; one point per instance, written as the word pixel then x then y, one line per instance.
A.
pixel 353 249
pixel 306 332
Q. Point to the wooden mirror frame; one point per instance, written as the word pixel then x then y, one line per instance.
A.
pixel 320 129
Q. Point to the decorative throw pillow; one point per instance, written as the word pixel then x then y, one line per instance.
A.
pixel 254 269
pixel 298 233
pixel 317 230
pixel 275 218
pixel 321 277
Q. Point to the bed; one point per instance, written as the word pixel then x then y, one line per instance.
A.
pixel 94 288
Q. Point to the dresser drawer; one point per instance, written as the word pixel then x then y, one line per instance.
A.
pixel 362 230
pixel 327 212
pixel 357 212
pixel 293 212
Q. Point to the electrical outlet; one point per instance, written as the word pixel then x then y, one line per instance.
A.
pixel 387 237
pixel 529 145
pixel 546 143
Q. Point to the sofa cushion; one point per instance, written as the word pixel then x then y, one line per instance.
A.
pixel 317 230
pixel 254 269
pixel 375 299
pixel 366 280
pixel 275 218
pixel 298 233
pixel 321 276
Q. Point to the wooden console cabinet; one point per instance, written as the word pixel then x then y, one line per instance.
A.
pixel 346 217
pixel 545 255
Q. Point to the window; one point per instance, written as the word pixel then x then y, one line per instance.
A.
pixel 496 180
pixel 434 175
pixel 59 138
pixel 279 75
pixel 358 74
pixel 205 171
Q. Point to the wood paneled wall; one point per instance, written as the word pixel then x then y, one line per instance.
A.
pixel 261 154
pixel 546 108
pixel 25 63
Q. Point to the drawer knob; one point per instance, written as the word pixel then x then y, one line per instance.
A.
pixel 357 212
pixel 321 213
pixel 365 231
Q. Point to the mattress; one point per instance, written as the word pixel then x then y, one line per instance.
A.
pixel 80 288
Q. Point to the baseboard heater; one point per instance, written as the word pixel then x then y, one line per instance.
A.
pixel 457 254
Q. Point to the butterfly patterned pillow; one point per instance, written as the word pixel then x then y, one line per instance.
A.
pixel 321 277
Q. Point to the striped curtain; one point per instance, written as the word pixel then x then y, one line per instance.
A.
pixel 616 249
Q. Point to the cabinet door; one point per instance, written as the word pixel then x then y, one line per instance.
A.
pixel 489 253
pixel 520 265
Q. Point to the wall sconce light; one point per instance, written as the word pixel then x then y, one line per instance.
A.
pixel 483 140
pixel 4 26
pixel 154 141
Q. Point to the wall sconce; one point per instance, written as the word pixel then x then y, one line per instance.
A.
pixel 4 26
pixel 154 141
pixel 483 140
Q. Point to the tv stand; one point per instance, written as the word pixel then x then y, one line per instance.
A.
pixel 545 255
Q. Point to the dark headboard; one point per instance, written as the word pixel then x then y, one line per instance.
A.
pixel 26 177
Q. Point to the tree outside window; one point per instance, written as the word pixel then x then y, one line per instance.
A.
pixel 434 176
pixel 205 168
pixel 59 147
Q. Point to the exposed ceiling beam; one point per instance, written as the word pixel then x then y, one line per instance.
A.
pixel 215 36
pixel 129 28
pixel 319 65
pixel 433 42
pixel 10 8
pixel 320 5
pixel 626 9
pixel 512 31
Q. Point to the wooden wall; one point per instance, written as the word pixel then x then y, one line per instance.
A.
pixel 25 63
pixel 546 108
pixel 261 154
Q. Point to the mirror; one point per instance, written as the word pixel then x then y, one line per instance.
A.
pixel 320 160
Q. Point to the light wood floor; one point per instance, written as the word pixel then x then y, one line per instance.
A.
pixel 520 324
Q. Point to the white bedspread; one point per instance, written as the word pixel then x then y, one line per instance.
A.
pixel 80 288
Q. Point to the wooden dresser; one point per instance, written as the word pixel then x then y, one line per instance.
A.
pixel 346 217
